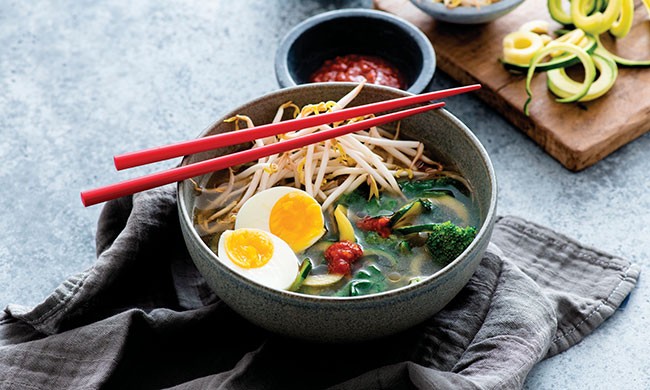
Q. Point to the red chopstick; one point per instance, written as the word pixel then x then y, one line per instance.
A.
pixel 148 156
pixel 128 187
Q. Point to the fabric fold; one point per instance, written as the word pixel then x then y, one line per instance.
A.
pixel 143 317
pixel 585 285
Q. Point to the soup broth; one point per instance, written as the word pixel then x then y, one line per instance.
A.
pixel 401 259
pixel 387 262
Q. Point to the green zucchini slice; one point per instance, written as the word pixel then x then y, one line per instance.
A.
pixel 623 24
pixel 583 56
pixel 561 61
pixel 597 22
pixel 563 86
pixel 558 13
pixel 409 211
pixel 520 46
pixel 427 227
pixel 303 271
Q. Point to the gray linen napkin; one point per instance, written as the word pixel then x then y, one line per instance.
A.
pixel 142 317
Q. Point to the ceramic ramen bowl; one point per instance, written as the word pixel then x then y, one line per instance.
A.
pixel 348 319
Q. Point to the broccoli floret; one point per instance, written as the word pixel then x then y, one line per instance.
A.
pixel 446 241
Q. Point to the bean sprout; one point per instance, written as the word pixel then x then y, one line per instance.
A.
pixel 325 170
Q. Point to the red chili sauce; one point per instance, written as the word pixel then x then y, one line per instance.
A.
pixel 354 67
pixel 381 225
pixel 341 255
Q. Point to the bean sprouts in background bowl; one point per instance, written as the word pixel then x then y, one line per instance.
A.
pixel 466 11
pixel 465 3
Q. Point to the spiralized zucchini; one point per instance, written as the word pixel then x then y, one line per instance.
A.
pixel 597 16
pixel 520 46
pixel 596 22
pixel 591 19
pixel 519 60
pixel 575 37
pixel 585 59
pixel 558 13
pixel 564 86
pixel 623 22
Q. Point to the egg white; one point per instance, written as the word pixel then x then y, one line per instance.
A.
pixel 256 211
pixel 279 272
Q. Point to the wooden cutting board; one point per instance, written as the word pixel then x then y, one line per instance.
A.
pixel 577 135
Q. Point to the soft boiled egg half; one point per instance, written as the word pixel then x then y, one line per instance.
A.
pixel 259 256
pixel 287 212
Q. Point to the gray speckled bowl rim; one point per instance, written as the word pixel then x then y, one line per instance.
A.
pixel 467 15
pixel 412 290
pixel 426 48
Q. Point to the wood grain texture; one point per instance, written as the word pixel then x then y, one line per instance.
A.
pixel 577 135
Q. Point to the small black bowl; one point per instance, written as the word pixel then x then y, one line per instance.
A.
pixel 355 31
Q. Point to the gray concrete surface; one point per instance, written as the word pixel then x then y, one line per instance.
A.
pixel 83 80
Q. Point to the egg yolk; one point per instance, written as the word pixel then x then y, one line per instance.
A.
pixel 297 219
pixel 249 248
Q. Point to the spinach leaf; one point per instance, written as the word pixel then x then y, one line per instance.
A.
pixel 358 202
pixel 441 185
pixel 367 281
pixel 392 243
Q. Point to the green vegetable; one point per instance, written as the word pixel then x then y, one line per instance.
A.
pixel 322 280
pixel 427 227
pixel 367 281
pixel 597 22
pixel 358 201
pixel 375 240
pixel 385 247
pixel 447 241
pixel 623 24
pixel 557 62
pixel 410 211
pixel 346 230
pixel 404 247
pixel 303 271
pixel 432 187
pixel 585 59
pixel 561 61
pixel 520 46
pixel 562 31
pixel 557 12
pixel 562 85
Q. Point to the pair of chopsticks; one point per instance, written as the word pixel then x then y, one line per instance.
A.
pixel 147 156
